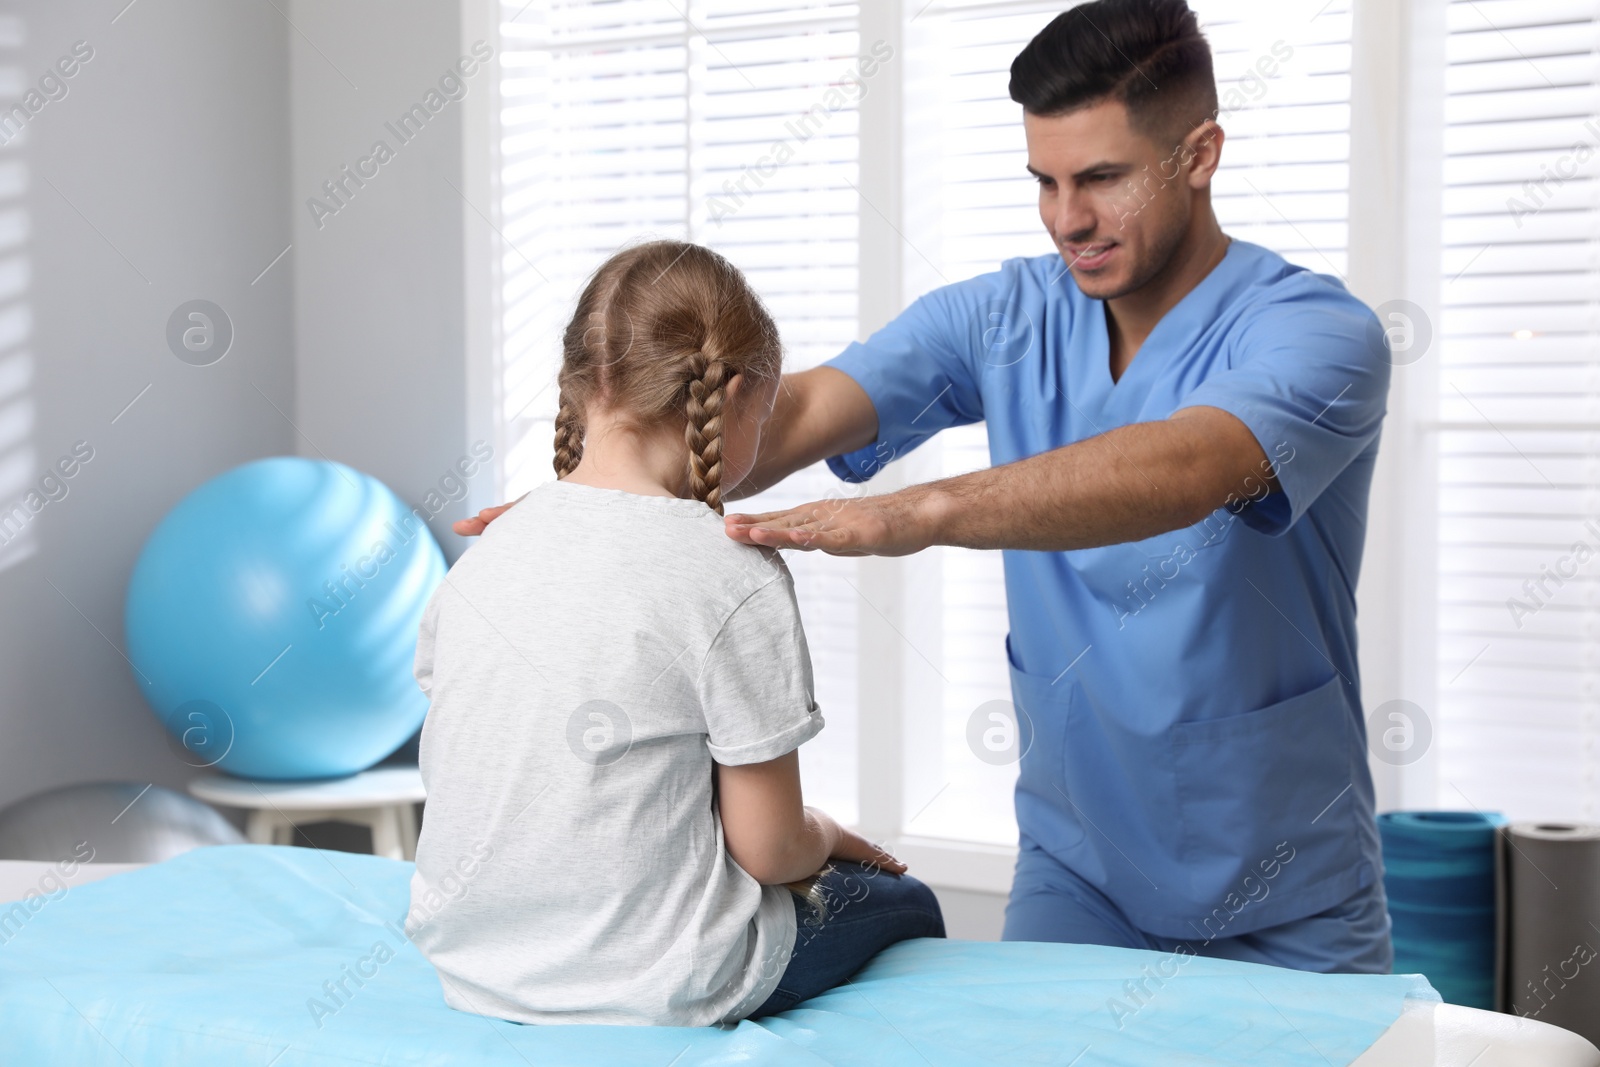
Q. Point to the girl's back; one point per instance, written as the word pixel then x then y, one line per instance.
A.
pixel 585 662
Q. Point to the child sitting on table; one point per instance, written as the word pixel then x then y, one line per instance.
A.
pixel 614 829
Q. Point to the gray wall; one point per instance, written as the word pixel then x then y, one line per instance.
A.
pixel 177 167
pixel 379 292
pixel 159 178
pixel 184 153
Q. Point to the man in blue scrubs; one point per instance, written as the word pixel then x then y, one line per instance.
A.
pixel 1183 429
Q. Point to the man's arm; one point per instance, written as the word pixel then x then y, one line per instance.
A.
pixel 819 413
pixel 1128 484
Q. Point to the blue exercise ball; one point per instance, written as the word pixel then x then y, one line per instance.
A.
pixel 272 620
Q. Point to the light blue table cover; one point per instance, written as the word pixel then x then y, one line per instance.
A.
pixel 215 957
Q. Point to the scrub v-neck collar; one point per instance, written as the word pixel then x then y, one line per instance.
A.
pixel 1174 332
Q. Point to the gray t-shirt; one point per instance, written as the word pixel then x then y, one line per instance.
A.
pixel 586 661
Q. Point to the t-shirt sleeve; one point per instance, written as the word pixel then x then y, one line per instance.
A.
pixel 755 682
pixel 921 372
pixel 1311 381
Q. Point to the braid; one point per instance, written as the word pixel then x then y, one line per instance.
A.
pixel 660 333
pixel 569 437
pixel 707 377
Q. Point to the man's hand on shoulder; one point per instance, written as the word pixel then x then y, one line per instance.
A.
pixel 889 524
pixel 478 523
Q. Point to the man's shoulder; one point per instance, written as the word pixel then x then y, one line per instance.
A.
pixel 1018 275
pixel 1285 296
pixel 1022 288
pixel 1275 282
pixel 1044 273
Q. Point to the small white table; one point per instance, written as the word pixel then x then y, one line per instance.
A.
pixel 380 799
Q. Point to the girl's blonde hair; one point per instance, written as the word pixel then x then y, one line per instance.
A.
pixel 659 331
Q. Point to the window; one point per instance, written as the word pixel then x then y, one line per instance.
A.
pixel 1517 412
pixel 645 118
pixel 626 118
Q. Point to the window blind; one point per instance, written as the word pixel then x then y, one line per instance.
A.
pixel 1518 404
pixel 24 490
pixel 731 124
pixel 640 117
pixel 1283 81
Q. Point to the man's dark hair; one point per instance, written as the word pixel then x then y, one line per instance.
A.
pixel 1148 54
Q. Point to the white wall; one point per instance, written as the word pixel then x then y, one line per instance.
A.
pixel 970 915
pixel 159 178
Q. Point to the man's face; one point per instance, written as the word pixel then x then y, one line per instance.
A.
pixel 1115 201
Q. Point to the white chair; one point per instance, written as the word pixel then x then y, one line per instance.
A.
pixel 380 799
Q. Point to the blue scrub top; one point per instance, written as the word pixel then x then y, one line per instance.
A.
pixel 1193 698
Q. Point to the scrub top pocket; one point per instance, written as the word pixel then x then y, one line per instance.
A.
pixel 1096 793
pixel 1041 785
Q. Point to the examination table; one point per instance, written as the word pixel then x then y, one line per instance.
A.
pixel 245 955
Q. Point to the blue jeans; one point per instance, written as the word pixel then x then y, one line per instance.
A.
pixel 865 910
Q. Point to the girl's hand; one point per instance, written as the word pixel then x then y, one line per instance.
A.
pixel 857 849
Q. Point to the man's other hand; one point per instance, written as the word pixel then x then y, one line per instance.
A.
pixel 478 523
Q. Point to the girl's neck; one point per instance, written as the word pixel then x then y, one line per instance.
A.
pixel 622 457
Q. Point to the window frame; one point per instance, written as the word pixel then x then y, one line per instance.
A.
pixel 1393 251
